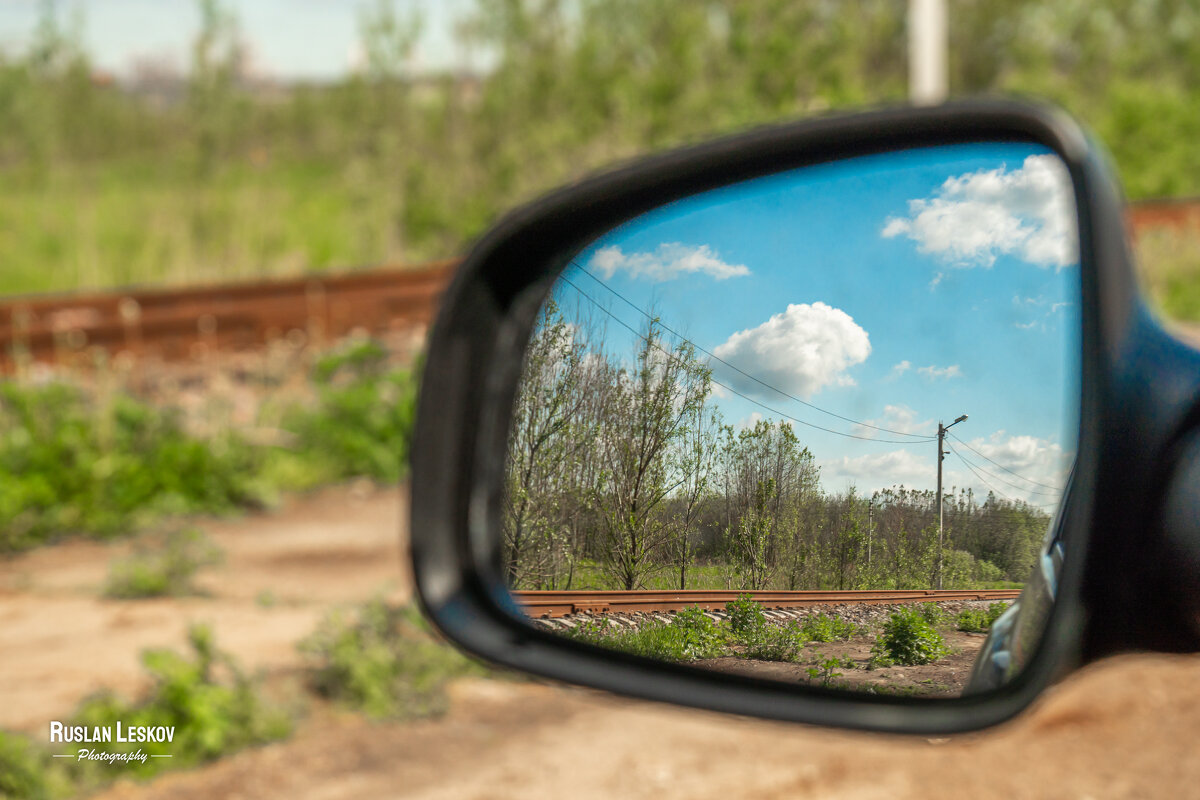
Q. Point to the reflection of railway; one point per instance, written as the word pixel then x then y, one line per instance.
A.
pixel 558 604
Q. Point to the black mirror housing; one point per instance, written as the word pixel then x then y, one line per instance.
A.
pixel 1139 390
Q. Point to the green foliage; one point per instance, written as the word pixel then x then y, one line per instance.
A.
pixel 823 669
pixel 908 638
pixel 772 642
pixel 691 634
pixel 980 620
pixel 362 420
pixel 745 614
pixel 103 463
pixel 211 716
pixel 75 463
pixel 821 627
pixel 30 772
pixel 385 661
pixel 165 568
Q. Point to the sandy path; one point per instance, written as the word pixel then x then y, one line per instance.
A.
pixel 60 639
pixel 1126 729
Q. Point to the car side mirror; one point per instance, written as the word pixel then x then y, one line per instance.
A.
pixel 742 361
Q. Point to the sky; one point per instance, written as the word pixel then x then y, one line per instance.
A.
pixel 315 40
pixel 891 291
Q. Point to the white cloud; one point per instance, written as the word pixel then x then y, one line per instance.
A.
pixel 667 262
pixel 750 421
pixel 935 373
pixel 798 351
pixel 900 369
pixel 1037 463
pixel 901 419
pixel 972 218
pixel 879 471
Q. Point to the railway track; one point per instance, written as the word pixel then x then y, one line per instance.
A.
pixel 554 604
pixel 169 324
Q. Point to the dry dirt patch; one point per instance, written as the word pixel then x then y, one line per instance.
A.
pixel 61 640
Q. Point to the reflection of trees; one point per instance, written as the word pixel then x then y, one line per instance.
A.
pixel 622 475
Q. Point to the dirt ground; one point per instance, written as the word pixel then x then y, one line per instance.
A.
pixel 1126 728
pixel 946 677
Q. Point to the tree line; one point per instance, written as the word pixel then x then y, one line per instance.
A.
pixel 628 469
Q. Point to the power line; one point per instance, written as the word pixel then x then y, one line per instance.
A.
pixel 1006 469
pixel 993 488
pixel 918 437
pixel 1018 487
pixel 727 388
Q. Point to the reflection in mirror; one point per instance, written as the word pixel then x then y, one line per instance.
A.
pixel 760 427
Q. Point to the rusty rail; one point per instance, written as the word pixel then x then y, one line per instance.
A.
pixel 167 323
pixel 558 604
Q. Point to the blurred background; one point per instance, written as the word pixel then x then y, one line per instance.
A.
pixel 198 513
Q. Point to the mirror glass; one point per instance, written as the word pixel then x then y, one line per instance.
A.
pixel 725 445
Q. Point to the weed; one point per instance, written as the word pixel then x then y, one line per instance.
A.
pixel 30 772
pixel 211 717
pixel 266 599
pixel 907 638
pixel 745 614
pixel 824 669
pixel 980 620
pixel 691 634
pixel 385 661
pixel 773 642
pixel 823 627
pixel 166 569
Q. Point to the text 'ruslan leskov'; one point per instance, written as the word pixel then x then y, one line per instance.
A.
pixel 83 734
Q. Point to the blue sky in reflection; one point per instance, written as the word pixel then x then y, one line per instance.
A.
pixel 892 290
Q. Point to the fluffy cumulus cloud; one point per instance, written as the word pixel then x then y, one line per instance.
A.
pixel 973 218
pixel 798 351
pixel 1021 467
pixel 667 262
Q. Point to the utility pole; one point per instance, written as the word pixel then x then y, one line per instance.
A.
pixel 928 45
pixel 941 438
pixel 870 527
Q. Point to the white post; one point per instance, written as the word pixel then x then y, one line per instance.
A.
pixel 928 43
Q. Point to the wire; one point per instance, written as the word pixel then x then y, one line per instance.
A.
pixel 993 488
pixel 1006 469
pixel 1016 486
pixel 727 388
pixel 635 307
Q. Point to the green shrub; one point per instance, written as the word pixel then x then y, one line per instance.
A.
pixel 166 569
pixel 931 613
pixel 362 420
pixel 770 642
pixel 824 667
pixel 822 627
pixel 907 638
pixel 77 463
pixel 980 620
pixel 211 716
pixel 29 771
pixel 745 614
pixel 691 634
pixel 385 661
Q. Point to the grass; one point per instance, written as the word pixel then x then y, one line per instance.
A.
pixel 980 620
pixel 101 462
pixel 1169 263
pixel 385 661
